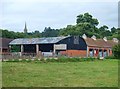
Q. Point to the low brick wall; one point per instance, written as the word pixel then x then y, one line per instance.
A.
pixel 74 53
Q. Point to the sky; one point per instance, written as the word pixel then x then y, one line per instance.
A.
pixel 56 14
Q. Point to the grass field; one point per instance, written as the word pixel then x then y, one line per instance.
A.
pixel 53 74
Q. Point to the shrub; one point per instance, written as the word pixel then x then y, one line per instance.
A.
pixel 116 51
pixel 110 57
pixel 62 59
pixel 51 60
pixel 89 59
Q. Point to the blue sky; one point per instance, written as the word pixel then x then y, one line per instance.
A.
pixel 39 14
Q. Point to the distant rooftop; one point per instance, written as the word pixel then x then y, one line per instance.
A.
pixel 4 42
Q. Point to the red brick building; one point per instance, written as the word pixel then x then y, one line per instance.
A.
pixel 99 47
pixel 94 48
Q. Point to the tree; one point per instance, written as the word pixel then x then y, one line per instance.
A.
pixel 103 28
pixel 113 30
pixel 87 18
pixel 116 51
pixel 11 34
pixel 118 33
pixel 115 33
pixel 15 48
pixel 8 34
pixel 86 24
pixel 36 34
pixel 48 32
pixel 104 32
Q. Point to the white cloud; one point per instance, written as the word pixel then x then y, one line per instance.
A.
pixel 54 13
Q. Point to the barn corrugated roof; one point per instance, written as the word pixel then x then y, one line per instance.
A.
pixel 37 40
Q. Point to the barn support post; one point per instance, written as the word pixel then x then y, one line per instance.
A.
pixel 37 49
pixel 9 48
pixel 108 52
pixel 102 52
pixel 87 51
pixel 98 53
pixel 1 50
pixel 94 53
pixel 54 50
pixel 22 49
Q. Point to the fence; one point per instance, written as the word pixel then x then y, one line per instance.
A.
pixel 17 55
pixel 31 56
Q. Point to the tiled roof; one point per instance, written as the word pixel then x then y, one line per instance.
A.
pixel 99 42
pixel 36 40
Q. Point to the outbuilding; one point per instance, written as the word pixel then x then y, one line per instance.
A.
pixel 4 45
pixel 71 46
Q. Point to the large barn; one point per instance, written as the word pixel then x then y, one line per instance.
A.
pixel 71 46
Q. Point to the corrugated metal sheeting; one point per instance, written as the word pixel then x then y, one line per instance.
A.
pixel 36 40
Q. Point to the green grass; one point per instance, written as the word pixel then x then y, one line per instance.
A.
pixel 55 74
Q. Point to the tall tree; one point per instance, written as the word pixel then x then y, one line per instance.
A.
pixel 87 18
pixel 113 30
pixel 86 24
pixel 48 32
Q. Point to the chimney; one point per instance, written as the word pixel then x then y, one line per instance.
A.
pixel 105 38
pixel 115 40
pixel 93 37
pixel 84 36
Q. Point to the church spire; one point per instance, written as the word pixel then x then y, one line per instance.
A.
pixel 25 29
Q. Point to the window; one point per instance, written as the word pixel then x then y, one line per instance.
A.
pixel 76 39
pixel 105 53
pixel 91 52
pixel 100 53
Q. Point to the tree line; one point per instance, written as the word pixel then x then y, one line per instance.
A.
pixel 85 24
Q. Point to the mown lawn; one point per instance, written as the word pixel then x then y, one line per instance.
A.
pixel 54 74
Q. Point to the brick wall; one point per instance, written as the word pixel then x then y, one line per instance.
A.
pixel 74 53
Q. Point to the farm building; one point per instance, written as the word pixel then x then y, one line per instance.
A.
pixel 4 45
pixel 72 46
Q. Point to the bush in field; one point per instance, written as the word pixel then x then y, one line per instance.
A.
pixel 75 59
pixel 51 60
pixel 116 51
pixel 110 57
pixel 64 59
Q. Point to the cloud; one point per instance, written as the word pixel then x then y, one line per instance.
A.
pixel 54 13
